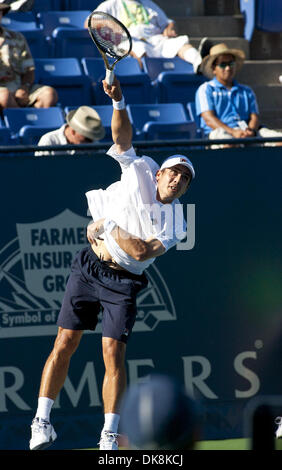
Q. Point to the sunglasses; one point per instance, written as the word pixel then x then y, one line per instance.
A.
pixel 223 65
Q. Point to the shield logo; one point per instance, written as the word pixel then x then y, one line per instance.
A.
pixel 47 251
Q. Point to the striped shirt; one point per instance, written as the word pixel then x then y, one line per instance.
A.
pixel 229 105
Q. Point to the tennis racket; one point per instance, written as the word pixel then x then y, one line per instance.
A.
pixel 111 38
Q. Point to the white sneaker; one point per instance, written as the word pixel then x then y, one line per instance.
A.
pixel 108 441
pixel 42 434
pixel 278 421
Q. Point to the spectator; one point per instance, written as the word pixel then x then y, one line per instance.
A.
pixel 17 88
pixel 159 415
pixel 153 33
pixel 228 109
pixel 83 126
pixel 19 5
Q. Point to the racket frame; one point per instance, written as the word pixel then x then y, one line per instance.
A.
pixel 109 67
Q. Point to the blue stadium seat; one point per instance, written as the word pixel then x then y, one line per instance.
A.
pixel 49 21
pixel 67 42
pixel 48 5
pixel 105 112
pixel 94 68
pixel 135 84
pixel 192 116
pixel 82 4
pixel 20 21
pixel 29 124
pixel 178 87
pixel 5 136
pixel 37 43
pixel 65 34
pixel 153 66
pixel 128 66
pixel 25 23
pixel 160 121
pixel 66 76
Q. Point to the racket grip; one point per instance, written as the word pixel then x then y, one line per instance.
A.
pixel 109 76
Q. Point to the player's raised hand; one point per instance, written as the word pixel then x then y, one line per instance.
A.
pixel 114 90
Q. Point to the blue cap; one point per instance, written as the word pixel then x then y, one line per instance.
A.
pixel 159 415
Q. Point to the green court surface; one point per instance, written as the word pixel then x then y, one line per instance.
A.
pixel 231 444
pixel 226 444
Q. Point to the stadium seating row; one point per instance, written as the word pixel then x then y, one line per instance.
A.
pixel 80 82
pixel 149 121
pixel 166 85
pixel 53 33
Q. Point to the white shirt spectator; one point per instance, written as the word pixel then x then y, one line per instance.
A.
pixel 56 137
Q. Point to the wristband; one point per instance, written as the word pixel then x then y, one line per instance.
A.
pixel 109 225
pixel 119 104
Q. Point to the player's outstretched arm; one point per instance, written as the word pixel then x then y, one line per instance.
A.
pixel 121 126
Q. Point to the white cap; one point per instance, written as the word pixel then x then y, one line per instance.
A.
pixel 178 160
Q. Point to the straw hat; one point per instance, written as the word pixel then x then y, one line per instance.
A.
pixel 4 8
pixel 216 51
pixel 87 122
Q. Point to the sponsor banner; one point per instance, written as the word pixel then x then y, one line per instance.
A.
pixel 42 255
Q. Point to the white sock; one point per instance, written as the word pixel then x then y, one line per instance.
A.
pixel 44 408
pixel 111 422
pixel 193 56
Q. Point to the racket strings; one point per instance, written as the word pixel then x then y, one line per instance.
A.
pixel 111 38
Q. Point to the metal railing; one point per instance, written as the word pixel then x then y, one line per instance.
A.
pixel 98 147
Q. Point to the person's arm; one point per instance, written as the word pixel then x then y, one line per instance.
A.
pixel 170 30
pixel 253 125
pixel 121 126
pixel 22 93
pixel 213 122
pixel 138 249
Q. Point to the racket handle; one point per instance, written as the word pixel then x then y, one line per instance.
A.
pixel 109 76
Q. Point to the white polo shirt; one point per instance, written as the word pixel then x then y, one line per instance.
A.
pixel 132 204
pixel 56 137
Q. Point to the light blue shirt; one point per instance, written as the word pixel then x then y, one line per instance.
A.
pixel 229 105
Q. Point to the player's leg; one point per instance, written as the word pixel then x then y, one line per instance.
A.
pixel 52 380
pixel 57 365
pixel 79 311
pixel 114 385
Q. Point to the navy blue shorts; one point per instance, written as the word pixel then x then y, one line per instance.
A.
pixel 92 286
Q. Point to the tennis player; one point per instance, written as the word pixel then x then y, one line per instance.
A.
pixel 127 233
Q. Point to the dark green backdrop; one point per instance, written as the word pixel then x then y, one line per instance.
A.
pixel 211 315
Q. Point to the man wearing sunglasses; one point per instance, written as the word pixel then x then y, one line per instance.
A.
pixel 228 109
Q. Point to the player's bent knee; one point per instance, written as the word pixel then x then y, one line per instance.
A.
pixel 113 351
pixel 67 342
